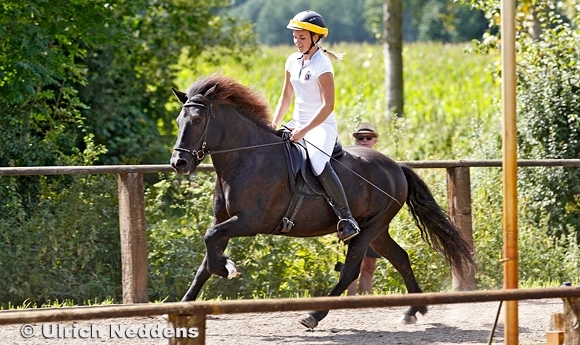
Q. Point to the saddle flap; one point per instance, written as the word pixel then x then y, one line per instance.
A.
pixel 298 160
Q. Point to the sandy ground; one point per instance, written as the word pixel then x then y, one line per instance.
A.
pixel 450 324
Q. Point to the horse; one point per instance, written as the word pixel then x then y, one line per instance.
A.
pixel 229 121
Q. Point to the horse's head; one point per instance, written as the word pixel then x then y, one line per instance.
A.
pixel 216 112
pixel 192 126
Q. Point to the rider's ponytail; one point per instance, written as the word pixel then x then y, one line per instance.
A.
pixel 330 53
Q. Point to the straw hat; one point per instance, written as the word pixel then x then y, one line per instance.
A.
pixel 365 128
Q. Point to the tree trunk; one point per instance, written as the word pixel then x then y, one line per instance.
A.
pixel 393 51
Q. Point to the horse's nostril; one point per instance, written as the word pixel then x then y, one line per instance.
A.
pixel 179 163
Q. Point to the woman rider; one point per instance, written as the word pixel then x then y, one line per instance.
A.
pixel 309 79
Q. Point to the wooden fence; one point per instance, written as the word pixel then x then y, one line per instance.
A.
pixel 192 315
pixel 132 207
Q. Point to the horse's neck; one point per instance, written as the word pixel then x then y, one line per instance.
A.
pixel 243 132
pixel 243 138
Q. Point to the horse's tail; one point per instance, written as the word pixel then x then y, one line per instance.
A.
pixel 436 229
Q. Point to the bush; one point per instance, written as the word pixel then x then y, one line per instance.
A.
pixel 549 108
pixel 68 248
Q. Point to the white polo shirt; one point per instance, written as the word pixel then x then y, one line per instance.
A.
pixel 304 79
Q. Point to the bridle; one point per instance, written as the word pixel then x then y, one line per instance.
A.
pixel 198 155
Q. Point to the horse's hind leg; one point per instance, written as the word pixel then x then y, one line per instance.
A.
pixel 348 274
pixel 398 257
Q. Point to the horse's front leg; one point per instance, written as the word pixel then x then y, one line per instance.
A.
pixel 201 276
pixel 218 263
pixel 348 274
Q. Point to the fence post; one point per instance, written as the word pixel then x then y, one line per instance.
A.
pixel 572 320
pixel 459 205
pixel 133 237
pixel 193 326
pixel 555 336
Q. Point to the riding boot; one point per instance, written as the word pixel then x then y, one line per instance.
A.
pixel 337 199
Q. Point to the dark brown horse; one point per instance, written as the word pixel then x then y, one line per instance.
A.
pixel 252 192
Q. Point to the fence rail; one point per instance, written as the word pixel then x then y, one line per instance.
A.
pixel 193 314
pixel 161 168
pixel 279 304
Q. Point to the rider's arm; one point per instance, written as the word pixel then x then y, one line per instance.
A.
pixel 284 101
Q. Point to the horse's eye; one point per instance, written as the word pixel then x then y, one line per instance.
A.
pixel 196 120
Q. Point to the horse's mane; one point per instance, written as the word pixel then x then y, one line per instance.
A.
pixel 232 93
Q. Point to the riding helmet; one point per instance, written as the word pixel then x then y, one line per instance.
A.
pixel 309 20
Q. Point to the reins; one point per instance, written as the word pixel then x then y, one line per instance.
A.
pixel 357 174
pixel 200 154
pixel 242 148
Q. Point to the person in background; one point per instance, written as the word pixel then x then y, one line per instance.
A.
pixel 309 81
pixel 365 136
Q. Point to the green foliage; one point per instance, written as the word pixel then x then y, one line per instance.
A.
pixel 549 104
pixel 101 67
pixel 68 247
pixel 129 82
pixel 87 82
pixel 40 107
pixel 178 213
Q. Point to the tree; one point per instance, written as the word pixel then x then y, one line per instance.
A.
pixel 41 47
pixel 129 82
pixel 79 78
pixel 71 70
pixel 393 50
pixel 548 105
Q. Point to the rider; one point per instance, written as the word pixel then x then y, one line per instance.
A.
pixel 309 79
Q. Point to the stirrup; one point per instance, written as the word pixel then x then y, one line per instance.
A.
pixel 354 225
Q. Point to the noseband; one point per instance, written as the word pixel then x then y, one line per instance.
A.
pixel 198 155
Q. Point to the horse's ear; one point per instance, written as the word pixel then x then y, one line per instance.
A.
pixel 208 94
pixel 181 96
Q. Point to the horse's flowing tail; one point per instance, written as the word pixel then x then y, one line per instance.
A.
pixel 436 229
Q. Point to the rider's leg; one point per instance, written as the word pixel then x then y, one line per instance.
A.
pixel 320 143
pixel 335 191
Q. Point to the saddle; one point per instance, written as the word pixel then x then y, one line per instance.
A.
pixel 304 184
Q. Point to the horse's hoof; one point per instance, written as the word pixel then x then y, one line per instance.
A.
pixel 408 319
pixel 232 270
pixel 308 321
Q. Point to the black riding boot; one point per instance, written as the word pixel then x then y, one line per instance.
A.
pixel 335 191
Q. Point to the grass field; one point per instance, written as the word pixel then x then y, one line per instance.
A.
pixel 450 95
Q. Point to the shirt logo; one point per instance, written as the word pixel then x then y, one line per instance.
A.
pixel 307 76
